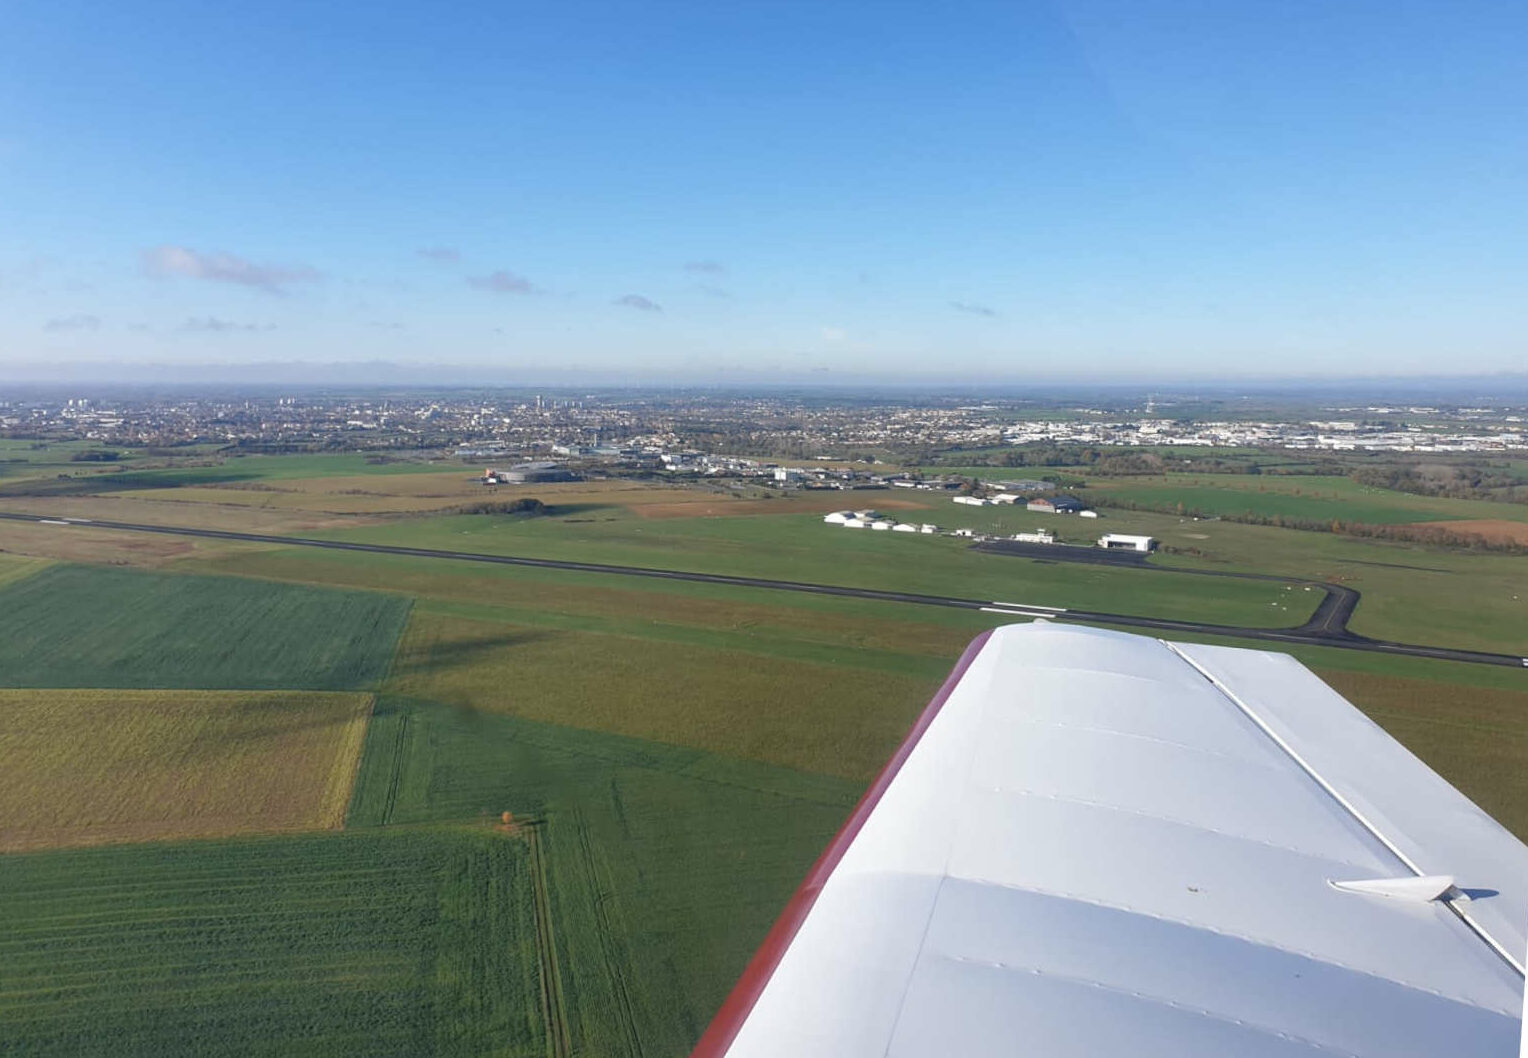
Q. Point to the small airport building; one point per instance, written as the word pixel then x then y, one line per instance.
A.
pixel 846 517
pixel 1126 542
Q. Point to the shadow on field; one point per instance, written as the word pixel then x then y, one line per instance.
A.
pixel 464 651
pixel 563 510
pixel 67 484
pixel 281 718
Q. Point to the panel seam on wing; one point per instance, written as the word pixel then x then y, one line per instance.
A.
pixel 1202 750
pixel 949 853
pixel 1157 1000
pixel 1174 821
pixel 1245 938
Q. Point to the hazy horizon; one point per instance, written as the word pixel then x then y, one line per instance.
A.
pixel 298 377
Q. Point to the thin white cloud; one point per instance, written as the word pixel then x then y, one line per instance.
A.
pixel 77 322
pixel 972 308
pixel 502 282
pixel 637 301
pixel 706 268
pixel 442 254
pixel 214 325
pixel 223 268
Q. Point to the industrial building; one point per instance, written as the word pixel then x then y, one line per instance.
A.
pixel 1126 542
pixel 1056 505
pixel 524 473
pixel 1026 485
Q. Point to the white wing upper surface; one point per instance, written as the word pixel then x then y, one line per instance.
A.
pixel 1104 844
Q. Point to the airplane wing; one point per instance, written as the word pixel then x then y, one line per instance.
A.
pixel 1095 843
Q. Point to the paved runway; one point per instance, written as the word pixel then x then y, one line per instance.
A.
pixel 1327 627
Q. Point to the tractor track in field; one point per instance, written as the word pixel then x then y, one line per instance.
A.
pixel 1327 627
pixel 554 1007
pixel 395 777
pixel 614 965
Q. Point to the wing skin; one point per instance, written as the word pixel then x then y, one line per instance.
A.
pixel 1095 843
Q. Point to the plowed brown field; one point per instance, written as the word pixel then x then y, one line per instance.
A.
pixel 1497 530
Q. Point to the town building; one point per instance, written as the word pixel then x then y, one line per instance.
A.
pixel 525 473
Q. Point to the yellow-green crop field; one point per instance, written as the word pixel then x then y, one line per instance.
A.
pixel 85 767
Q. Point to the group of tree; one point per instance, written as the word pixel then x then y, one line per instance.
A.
pixel 525 507
pixel 1452 480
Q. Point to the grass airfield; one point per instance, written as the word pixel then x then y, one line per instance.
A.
pixel 318 860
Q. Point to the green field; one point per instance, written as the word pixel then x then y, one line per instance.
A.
pixel 842 629
pixel 666 865
pixel 36 472
pixel 78 626
pixel 1319 499
pixel 381 942
pixel 21 458
pixel 810 715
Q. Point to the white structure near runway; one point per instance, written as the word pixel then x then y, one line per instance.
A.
pixel 1126 542
pixel 875 520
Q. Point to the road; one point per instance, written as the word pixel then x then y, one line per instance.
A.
pixel 1327 627
pixel 1329 621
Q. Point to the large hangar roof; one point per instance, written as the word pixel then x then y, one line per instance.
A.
pixel 1097 844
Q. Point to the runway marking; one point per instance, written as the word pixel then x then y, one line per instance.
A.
pixel 1031 606
pixel 51 521
pixel 1019 613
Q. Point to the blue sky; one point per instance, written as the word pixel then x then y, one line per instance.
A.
pixel 1167 188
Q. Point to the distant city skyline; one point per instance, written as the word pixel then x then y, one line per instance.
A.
pixel 681 191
